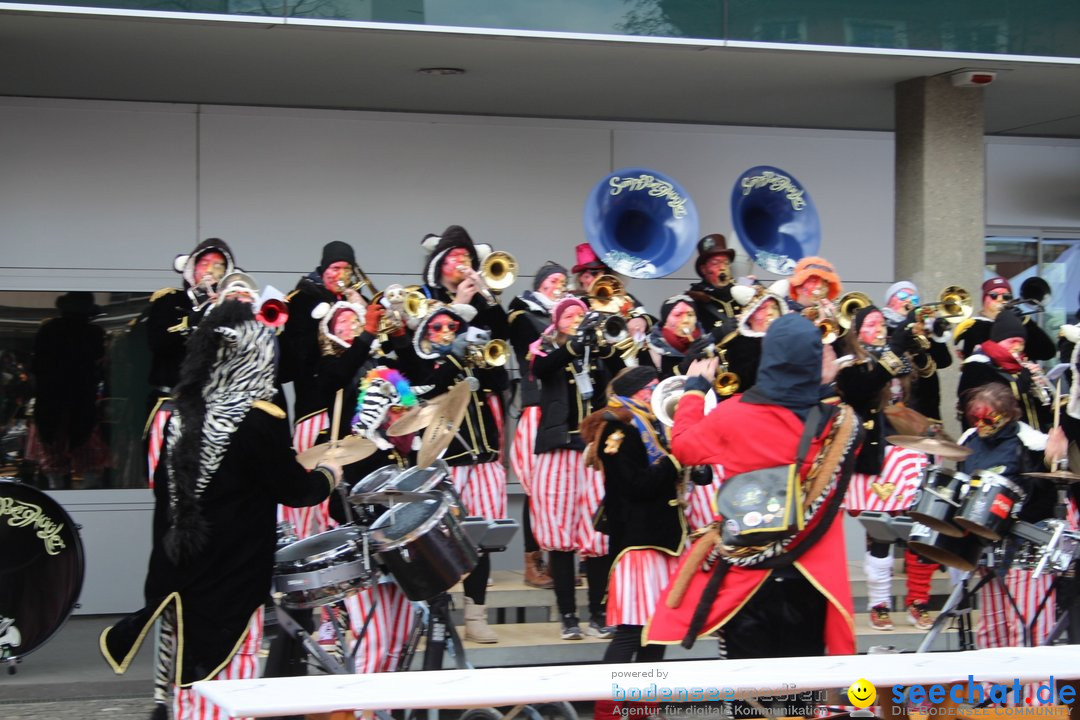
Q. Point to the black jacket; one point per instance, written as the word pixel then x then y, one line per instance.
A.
pixel 562 408
pixel 300 345
pixel 715 306
pixel 170 319
pixel 216 595
pixel 528 319
pixel 980 370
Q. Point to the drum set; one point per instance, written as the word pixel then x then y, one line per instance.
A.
pixel 407 526
pixel 967 521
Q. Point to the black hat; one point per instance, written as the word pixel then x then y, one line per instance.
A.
pixel 452 238
pixel 630 380
pixel 670 304
pixel 78 302
pixel 860 317
pixel 707 247
pixel 333 252
pixel 547 270
pixel 1007 325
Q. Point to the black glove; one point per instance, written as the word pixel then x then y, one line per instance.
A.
pixel 903 339
pixel 941 326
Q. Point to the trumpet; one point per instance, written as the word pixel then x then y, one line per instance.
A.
pixel 400 303
pixel 607 294
pixel 823 316
pixel 499 270
pixel 954 304
pixel 849 304
pixel 491 354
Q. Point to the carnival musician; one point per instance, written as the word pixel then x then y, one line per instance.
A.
pixel 332 281
pixel 814 284
pixel 1002 359
pixel 586 271
pixel 530 315
pixel 886 477
pixel 228 461
pixel 671 338
pixel 790 597
pixel 643 512
pixel 716 307
pixel 441 354
pixel 997 295
pixel 452 275
pixel 742 347
pixel 902 308
pixel 567 361
pixel 172 316
pixel 1001 441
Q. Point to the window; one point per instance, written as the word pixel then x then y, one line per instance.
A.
pixel 780 31
pixel 875 33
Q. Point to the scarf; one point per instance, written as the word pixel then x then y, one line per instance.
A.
pixel 681 343
pixel 1001 357
pixel 652 432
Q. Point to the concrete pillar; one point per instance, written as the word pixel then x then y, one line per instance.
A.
pixel 940 195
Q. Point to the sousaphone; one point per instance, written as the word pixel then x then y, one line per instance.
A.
pixel 774 218
pixel 641 223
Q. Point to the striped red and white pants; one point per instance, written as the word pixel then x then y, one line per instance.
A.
pixel 565 497
pixel 187 705
pixel 701 501
pixel 637 579
pixel 155 438
pixel 522 451
pixel 392 617
pixel 312 520
pixel 482 488
pixel 894 489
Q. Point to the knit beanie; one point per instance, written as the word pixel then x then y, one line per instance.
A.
pixel 1007 325
pixel 333 252
pixel 547 270
pixel 670 304
pixel 631 380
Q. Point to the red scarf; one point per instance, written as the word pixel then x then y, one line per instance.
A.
pixel 1001 357
pixel 680 343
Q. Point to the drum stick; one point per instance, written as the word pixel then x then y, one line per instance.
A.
pixel 335 421
pixel 1057 404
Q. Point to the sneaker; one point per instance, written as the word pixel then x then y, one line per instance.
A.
pixel 918 616
pixel 879 617
pixel 598 628
pixel 570 629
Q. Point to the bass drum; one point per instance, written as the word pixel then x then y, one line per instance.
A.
pixel 962 553
pixel 41 568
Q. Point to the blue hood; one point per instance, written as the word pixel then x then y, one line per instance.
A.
pixel 790 370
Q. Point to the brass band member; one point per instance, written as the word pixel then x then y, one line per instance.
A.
pixel 451 275
pixel 587 269
pixel 901 300
pixel 438 356
pixel 743 348
pixel 1002 359
pixel 566 494
pixel 530 315
pixel 329 283
pixel 814 284
pixel 715 305
pixel 997 294
pixel 886 477
pixel 173 315
pixel 670 339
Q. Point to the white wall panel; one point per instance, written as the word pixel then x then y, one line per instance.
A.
pixel 88 185
pixel 1033 183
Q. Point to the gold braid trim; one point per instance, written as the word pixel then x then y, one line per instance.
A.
pixel 832 453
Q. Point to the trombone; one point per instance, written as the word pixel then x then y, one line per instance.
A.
pixel 607 294
pixel 357 280
pixel 498 271
pixel 954 304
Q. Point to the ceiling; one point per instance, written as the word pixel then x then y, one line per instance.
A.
pixel 192 59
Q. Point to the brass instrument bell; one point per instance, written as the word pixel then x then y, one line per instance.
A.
pixel 492 354
pixel 848 305
pixel 499 270
pixel 956 303
pixel 606 294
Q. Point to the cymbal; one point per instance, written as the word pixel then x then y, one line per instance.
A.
pixel 415 419
pixel 1062 476
pixel 443 427
pixel 388 496
pixel 346 450
pixel 930 446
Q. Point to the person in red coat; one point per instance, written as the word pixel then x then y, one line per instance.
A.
pixel 790 597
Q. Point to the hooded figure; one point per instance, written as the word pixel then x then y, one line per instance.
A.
pixel 438 287
pixel 228 462
pixel 810 611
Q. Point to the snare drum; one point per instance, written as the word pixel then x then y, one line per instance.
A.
pixel 962 553
pixel 424 547
pixel 375 481
pixel 41 568
pixel 990 507
pixel 434 478
pixel 321 569
pixel 938 499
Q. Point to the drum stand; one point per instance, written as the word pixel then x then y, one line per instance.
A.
pixel 957 606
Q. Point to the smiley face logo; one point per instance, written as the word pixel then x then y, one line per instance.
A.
pixel 862 693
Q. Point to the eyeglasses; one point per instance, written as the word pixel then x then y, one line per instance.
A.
pixel 1000 295
pixel 988 421
pixel 451 325
pixel 905 296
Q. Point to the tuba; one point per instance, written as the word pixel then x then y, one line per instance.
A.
pixel 774 218
pixel 641 223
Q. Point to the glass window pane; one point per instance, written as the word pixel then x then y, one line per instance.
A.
pixel 73 391
pixel 1061 269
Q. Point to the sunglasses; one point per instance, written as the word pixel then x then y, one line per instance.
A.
pixel 1001 295
pixel 988 421
pixel 451 325
pixel 905 296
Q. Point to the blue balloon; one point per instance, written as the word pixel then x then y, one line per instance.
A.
pixel 774 219
pixel 641 223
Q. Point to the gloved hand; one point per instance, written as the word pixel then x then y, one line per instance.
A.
pixel 373 318
pixel 941 327
pixel 701 474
